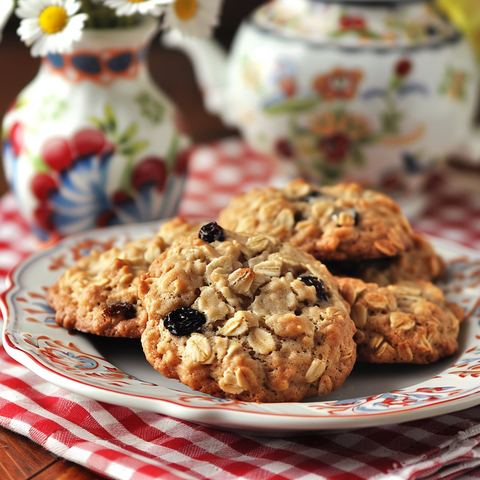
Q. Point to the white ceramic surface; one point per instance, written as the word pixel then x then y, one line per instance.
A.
pixel 348 90
pixel 115 370
pixel 92 141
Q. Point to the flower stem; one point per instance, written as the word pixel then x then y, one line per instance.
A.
pixel 100 16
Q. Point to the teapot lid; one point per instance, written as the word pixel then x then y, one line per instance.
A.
pixel 357 23
pixel 370 1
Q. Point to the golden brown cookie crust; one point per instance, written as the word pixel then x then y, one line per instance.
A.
pixel 409 322
pixel 419 263
pixel 267 336
pixel 341 222
pixel 99 294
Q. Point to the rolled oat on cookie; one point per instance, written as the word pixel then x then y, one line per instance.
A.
pixel 99 294
pixel 408 322
pixel 341 222
pixel 422 262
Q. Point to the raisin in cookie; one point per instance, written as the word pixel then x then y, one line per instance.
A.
pixel 420 263
pixel 409 322
pixel 99 294
pixel 341 222
pixel 246 317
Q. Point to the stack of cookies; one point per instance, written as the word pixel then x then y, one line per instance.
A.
pixel 276 300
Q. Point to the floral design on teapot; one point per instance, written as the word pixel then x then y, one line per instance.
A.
pixel 454 85
pixel 318 21
pixel 346 90
pixel 325 129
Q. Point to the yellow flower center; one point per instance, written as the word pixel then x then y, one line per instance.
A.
pixel 185 9
pixel 135 1
pixel 53 19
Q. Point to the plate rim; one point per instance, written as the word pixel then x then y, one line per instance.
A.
pixel 211 415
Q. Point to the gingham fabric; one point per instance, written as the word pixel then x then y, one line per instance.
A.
pixel 121 443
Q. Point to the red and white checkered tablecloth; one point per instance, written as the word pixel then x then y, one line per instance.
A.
pixel 122 443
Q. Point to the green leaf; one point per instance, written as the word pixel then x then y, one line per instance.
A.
pixel 370 34
pixel 172 151
pixel 293 105
pixel 126 177
pixel 396 82
pixel 134 148
pixel 128 134
pixel 111 121
pixel 340 33
pixel 390 121
pixel 38 164
pixel 331 173
pixel 361 33
pixel 151 108
pixel 358 157
pixel 369 139
pixel 98 123
pixel 21 102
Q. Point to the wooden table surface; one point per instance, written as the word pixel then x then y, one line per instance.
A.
pixel 20 458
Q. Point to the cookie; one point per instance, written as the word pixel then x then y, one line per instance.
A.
pixel 341 222
pixel 419 263
pixel 409 322
pixel 99 294
pixel 246 317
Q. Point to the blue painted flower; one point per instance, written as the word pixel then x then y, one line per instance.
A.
pixel 82 201
pixel 81 195
pixel 79 361
pixel 10 164
pixel 150 203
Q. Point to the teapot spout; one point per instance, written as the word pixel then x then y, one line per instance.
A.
pixel 209 61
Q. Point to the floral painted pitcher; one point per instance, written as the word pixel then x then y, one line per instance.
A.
pixel 371 91
pixel 91 141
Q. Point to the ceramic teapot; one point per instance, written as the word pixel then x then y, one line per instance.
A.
pixel 373 91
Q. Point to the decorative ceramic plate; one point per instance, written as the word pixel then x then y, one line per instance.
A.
pixel 116 371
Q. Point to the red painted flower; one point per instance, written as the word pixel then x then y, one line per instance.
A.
pixel 88 141
pixel 182 160
pixel 43 217
pixel 284 148
pixel 348 22
pixel 17 138
pixel 150 170
pixel 42 185
pixel 105 218
pixel 56 153
pixel 338 84
pixel 403 67
pixel 120 196
pixel 393 182
pixel 335 147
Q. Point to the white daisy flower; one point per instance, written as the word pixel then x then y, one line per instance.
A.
pixel 51 26
pixel 193 17
pixel 6 9
pixel 130 7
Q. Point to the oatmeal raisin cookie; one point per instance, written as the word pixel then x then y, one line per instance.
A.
pixel 419 263
pixel 409 322
pixel 246 317
pixel 341 222
pixel 99 294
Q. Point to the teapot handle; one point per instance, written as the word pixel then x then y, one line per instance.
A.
pixel 209 60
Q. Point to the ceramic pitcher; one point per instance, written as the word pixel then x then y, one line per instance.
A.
pixel 92 141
